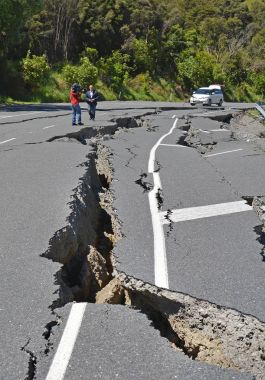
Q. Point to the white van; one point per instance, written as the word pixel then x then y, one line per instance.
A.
pixel 208 95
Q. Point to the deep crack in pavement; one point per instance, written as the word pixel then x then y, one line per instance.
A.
pixel 200 329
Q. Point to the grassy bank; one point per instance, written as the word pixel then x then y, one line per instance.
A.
pixel 141 87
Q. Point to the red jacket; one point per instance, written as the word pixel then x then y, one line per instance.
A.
pixel 74 98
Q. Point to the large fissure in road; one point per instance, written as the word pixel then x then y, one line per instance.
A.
pixel 202 330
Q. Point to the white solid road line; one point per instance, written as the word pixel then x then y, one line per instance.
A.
pixel 3 142
pixel 173 117
pixel 151 162
pixel 49 126
pixel 200 212
pixel 160 256
pixel 22 114
pixel 63 354
pixel 218 154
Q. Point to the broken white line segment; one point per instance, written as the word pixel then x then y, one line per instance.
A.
pixel 203 131
pixel 175 145
pixel 49 126
pixel 160 256
pixel 200 212
pixel 220 130
pixel 22 114
pixel 228 151
pixel 3 142
pixel 63 354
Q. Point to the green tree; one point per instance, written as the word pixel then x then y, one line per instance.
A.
pixel 198 70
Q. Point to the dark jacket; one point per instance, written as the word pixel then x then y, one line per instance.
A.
pixel 94 96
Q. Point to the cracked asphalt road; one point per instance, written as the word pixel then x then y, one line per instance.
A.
pixel 216 258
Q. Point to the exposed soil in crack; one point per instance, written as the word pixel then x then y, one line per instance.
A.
pixel 201 330
pixel 83 246
pixel 194 139
pixel 258 204
pixel 241 125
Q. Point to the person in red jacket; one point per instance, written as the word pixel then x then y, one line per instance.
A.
pixel 75 97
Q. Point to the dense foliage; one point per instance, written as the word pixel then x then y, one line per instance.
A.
pixel 187 43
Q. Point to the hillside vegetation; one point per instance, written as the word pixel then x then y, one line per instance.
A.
pixel 141 49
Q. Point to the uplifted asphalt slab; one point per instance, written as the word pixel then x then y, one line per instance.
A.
pixel 210 258
pixel 123 344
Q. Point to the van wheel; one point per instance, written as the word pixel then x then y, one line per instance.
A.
pixel 209 102
pixel 220 103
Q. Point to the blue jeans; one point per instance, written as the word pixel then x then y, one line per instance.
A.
pixel 76 113
pixel 92 110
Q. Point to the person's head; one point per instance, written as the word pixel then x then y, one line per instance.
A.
pixel 91 88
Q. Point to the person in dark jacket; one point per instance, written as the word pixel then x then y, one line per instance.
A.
pixel 75 96
pixel 91 98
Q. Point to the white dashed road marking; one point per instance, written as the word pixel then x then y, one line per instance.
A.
pixel 218 154
pixel 22 114
pixel 49 126
pixel 200 212
pixel 3 142
pixel 220 130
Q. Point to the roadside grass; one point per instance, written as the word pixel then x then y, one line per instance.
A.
pixel 241 93
pixel 256 115
pixel 141 87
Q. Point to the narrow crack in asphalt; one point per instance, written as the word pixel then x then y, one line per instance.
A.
pixel 133 156
pixel 153 128
pixel 147 186
pixel 48 332
pixel 159 198
pixel 32 362
pixel 171 224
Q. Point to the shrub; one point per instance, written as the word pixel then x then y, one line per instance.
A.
pixel 87 73
pixel 70 74
pixel 83 74
pixel 114 70
pixel 35 70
